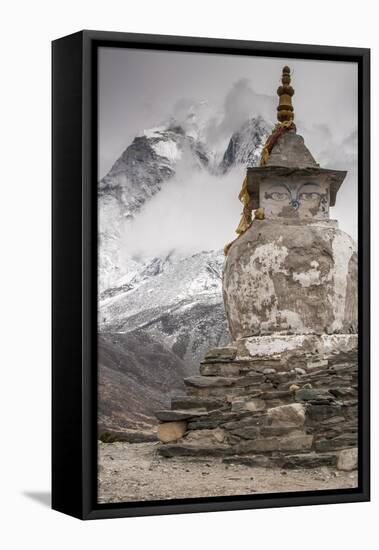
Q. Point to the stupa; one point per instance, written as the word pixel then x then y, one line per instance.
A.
pixel 284 392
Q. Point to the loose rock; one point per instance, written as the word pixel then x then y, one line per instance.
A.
pixel 171 431
pixel 348 460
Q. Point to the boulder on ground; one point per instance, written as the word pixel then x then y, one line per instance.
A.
pixel 348 460
pixel 171 431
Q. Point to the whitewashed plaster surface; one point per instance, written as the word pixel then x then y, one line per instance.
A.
pixel 291 279
pixel 275 345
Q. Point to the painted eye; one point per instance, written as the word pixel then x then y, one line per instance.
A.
pixel 309 196
pixel 277 196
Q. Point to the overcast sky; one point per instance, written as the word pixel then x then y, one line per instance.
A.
pixel 140 89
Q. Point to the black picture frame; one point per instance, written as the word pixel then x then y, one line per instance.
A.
pixel 74 295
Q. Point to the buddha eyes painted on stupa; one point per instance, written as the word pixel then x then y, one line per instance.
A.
pixel 295 197
pixel 309 191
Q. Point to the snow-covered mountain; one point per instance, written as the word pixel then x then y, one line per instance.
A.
pixel 246 144
pixel 177 300
pixel 138 175
pixel 149 162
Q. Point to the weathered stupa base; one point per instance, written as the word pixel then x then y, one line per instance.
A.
pixel 287 401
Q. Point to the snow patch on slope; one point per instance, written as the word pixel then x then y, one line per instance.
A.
pixel 168 149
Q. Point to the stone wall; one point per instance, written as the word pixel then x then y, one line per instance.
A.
pixel 296 408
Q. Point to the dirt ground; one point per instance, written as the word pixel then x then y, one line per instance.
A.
pixel 135 472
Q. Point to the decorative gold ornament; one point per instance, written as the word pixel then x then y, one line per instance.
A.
pixel 285 93
pixel 285 115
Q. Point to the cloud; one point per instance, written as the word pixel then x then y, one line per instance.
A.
pixel 339 153
pixel 194 211
pixel 240 103
pixel 216 126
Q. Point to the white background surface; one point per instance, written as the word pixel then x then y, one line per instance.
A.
pixel 27 29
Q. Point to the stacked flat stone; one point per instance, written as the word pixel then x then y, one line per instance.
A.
pixel 296 409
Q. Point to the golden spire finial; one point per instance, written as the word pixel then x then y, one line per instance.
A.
pixel 285 92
